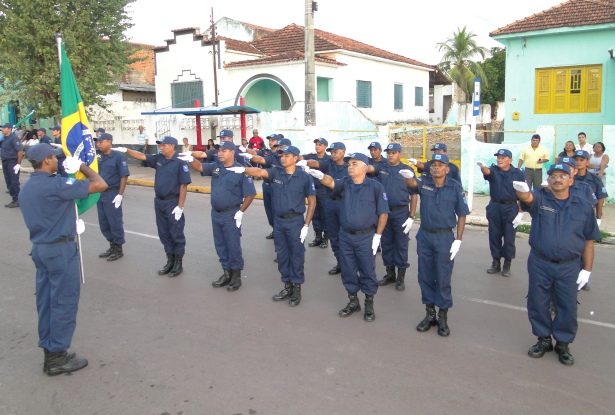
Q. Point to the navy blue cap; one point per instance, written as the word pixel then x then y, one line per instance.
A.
pixel 374 144
pixel 104 136
pixel 100 130
pixel 322 141
pixel 581 153
pixel 40 152
pixel 439 146
pixel 43 130
pixel 357 156
pixel 228 145
pixel 283 141
pixel 563 167
pixel 167 140
pixel 289 149
pixel 55 128
pixel 336 146
pixel 6 125
pixel 393 147
pixel 503 152
pixel 440 157
pixel 568 160
pixel 226 133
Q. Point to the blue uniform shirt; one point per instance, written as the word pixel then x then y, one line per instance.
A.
pixel 48 206
pixel 170 174
pixel 595 184
pixel 228 189
pixel 560 229
pixel 439 205
pixel 10 145
pixel 212 157
pixel 369 196
pixel 500 183
pixel 272 160
pixel 289 190
pixel 112 167
pixel 314 156
pixel 394 183
pixel 453 171
pixel 45 139
pixel 334 170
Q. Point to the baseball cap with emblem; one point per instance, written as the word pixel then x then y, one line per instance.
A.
pixel 443 158
pixel 6 125
pixel 228 145
pixel 104 136
pixel 439 146
pixel 283 141
pixel 336 146
pixel 322 141
pixel 40 152
pixel 374 144
pixel 226 133
pixel 503 152
pixel 99 130
pixel 44 130
pixel 393 147
pixel 562 167
pixel 357 156
pixel 568 160
pixel 581 153
pixel 167 140
pixel 289 149
pixel 55 128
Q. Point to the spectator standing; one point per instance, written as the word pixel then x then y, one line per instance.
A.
pixel 534 156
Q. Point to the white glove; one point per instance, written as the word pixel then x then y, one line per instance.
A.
pixel 407 225
pixel 238 217
pixel 120 149
pixel 481 164
pixel 54 145
pixel 117 201
pixel 583 278
pixel 242 149
pixel 187 158
pixel 302 163
pixel 599 221
pixel 80 226
pixel 178 212
pixel 316 173
pixel 544 184
pixel 521 187
pixel 247 156
pixel 16 168
pixel 237 169
pixel 408 174
pixel 185 153
pixel 72 164
pixel 376 243
pixel 517 220
pixel 413 161
pixel 306 169
pixel 455 248
pixel 304 232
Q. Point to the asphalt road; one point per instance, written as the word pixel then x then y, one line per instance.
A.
pixel 177 346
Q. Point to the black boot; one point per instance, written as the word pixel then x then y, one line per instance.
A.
pixel 543 346
pixel 506 268
pixel 71 355
pixel 235 280
pixel 562 350
pixel 168 266
pixel 117 253
pixel 369 314
pixel 336 269
pixel 495 266
pixel 285 293
pixel 317 239
pixel 352 306
pixel 390 278
pixel 224 279
pixel 401 276
pixel 62 362
pixel 430 318
pixel 325 240
pixel 295 297
pixel 442 323
pixel 270 236
pixel 107 252
pixel 177 266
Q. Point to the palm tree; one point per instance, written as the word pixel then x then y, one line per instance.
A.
pixel 457 64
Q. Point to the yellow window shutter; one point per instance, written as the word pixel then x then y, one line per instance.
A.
pixel 594 89
pixel 543 86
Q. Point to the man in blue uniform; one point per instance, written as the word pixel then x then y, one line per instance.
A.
pixel 56 131
pixel 48 208
pixel 438 148
pixel 290 187
pixel 503 212
pixel 171 186
pixel 395 237
pixel 560 263
pixel 443 206
pixel 113 168
pixel 231 195
pixel 360 230
pixel 321 236
pixel 42 136
pixel 375 152
pixel 12 152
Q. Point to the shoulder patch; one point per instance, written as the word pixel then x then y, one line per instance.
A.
pixel 124 163
pixel 185 167
pixel 313 187
pixel 70 180
pixel 385 197
pixel 250 179
pixel 604 190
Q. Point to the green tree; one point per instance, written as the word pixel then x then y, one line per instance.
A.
pixel 494 68
pixel 458 52
pixel 93 32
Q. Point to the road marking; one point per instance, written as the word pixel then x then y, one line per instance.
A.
pixel 145 235
pixel 514 307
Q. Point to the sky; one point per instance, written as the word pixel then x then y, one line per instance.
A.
pixel 408 28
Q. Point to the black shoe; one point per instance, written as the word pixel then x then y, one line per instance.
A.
pixel 13 204
pixel 62 362
pixel 443 329
pixel 401 277
pixel 235 280
pixel 543 346
pixel 71 355
pixel 295 297
pixel 585 287
pixel 369 314
pixel 336 269
pixel 379 249
pixel 275 260
pixel 352 306
pixel 168 266
pixel 270 236
pixel 117 253
pixel 107 252
pixel 506 268
pixel 317 239
pixel 563 352
pixel 430 319
pixel 177 266
pixel 390 278
pixel 224 279
pixel 495 266
pixel 325 240
pixel 285 293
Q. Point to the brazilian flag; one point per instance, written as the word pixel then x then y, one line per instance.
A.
pixel 76 137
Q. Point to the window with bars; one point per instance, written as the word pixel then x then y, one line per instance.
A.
pixel 364 94
pixel 568 90
pixel 183 94
pixel 398 97
pixel 418 96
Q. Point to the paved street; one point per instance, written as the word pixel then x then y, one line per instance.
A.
pixel 159 345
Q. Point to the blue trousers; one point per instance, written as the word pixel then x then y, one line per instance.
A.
pixel 557 282
pixel 227 239
pixel 268 203
pixel 319 221
pixel 395 241
pixel 435 267
pixel 358 263
pixel 290 250
pixel 110 219
pixel 10 178
pixel 333 225
pixel 170 231
pixel 501 231
pixel 57 293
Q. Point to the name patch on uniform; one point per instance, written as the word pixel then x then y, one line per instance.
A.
pixel 384 196
pixel 548 209
pixel 158 164
pixel 384 172
pixel 429 188
pixel 70 180
pixel 277 181
pixel 185 167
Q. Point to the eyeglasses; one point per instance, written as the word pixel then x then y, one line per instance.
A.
pixel 559 176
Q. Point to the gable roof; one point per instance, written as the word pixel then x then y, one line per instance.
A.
pixel 281 58
pixel 572 13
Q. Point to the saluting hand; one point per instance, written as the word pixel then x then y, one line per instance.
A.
pixel 481 164
pixel 185 157
pixel 521 187
pixel 246 156
pixel 302 163
pixel 72 164
pixel 120 149
pixel 237 169
pixel 315 173
pixel 54 145
pixel 413 161
pixel 408 174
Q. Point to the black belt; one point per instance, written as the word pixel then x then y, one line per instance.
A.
pixel 361 232
pixel 529 168
pixel 112 189
pixel 335 197
pixel 168 197
pixel 441 230
pixel 505 202
pixel 398 207
pixel 555 261
pixel 228 209
pixel 64 240
pixel 289 216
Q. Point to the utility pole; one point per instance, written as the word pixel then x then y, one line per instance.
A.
pixel 310 75
pixel 213 45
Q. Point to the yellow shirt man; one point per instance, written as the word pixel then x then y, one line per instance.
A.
pixel 533 156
